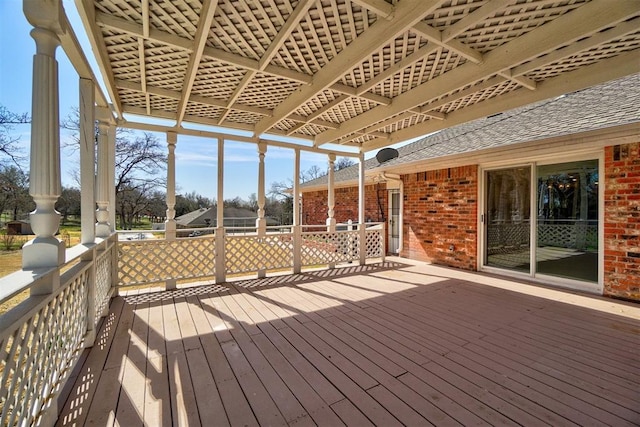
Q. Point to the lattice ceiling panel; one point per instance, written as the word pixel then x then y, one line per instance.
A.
pixel 165 67
pixel 203 110
pixel 178 18
pixel 328 27
pixel 236 116
pixel 247 27
pixel 318 102
pixel 480 96
pixel 434 65
pixel 356 64
pixel 514 22
pixel 267 91
pixel 285 125
pixel 217 80
pixel 588 57
pixel 133 98
pixel 349 109
pixel 401 47
pixel 404 123
pixel 162 103
pixel 311 130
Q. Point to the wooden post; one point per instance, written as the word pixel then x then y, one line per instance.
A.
pixel 103 229
pixel 261 222
pixel 170 223
pixel 362 243
pixel 87 162
pixel 297 228
pixel 221 268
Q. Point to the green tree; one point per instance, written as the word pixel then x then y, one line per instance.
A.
pixel 14 191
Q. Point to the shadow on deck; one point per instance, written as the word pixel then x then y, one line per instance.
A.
pixel 384 344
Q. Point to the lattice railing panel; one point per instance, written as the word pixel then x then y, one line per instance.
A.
pixel 253 253
pixel 326 248
pixel 503 238
pixel 151 261
pixel 374 243
pixel 579 235
pixel 38 350
pixel 104 280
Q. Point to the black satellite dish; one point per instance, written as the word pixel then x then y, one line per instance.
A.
pixel 386 154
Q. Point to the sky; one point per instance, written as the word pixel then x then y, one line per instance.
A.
pixel 196 162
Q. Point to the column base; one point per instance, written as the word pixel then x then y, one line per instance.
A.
pixel 170 229
pixel 43 252
pixel 261 226
pixel 103 230
pixel 331 225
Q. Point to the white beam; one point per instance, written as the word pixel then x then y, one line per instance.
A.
pixel 87 13
pixel 574 25
pixel 204 25
pixel 435 36
pixel 408 13
pixel 379 7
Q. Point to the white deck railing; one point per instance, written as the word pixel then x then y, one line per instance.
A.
pixel 42 337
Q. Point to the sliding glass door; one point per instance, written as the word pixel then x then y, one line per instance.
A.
pixel 507 219
pixel 554 214
pixel 567 220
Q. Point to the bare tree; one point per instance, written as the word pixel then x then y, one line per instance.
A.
pixel 343 162
pixel 10 151
pixel 140 169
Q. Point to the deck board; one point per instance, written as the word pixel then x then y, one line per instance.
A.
pixel 404 343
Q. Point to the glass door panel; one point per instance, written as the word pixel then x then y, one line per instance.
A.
pixel 394 221
pixel 567 228
pixel 508 219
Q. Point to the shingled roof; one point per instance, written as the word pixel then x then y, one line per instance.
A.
pixel 614 103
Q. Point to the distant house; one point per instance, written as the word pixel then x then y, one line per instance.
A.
pixel 19 227
pixel 207 217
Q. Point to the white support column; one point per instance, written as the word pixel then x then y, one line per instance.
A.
pixel 87 162
pixel 221 273
pixel 103 229
pixel 297 228
pixel 111 167
pixel 331 221
pixel 44 173
pixel 170 223
pixel 362 244
pixel 261 222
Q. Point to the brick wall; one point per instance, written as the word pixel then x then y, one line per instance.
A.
pixel 440 211
pixel 314 205
pixel 622 221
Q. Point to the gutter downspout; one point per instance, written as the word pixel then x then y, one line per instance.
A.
pixel 396 178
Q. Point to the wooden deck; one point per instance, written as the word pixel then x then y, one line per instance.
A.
pixel 400 343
